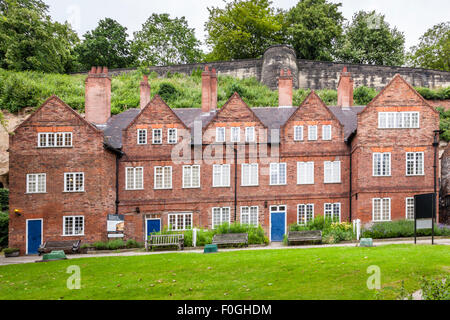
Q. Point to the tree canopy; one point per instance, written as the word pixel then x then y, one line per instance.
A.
pixel 369 39
pixel 166 41
pixel 433 50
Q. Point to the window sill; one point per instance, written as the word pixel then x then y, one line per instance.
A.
pixel 250 185
pixel 74 191
pixel 162 188
pixel 281 184
pixel 333 182
pixel 134 189
pixel 222 186
pixel 75 235
pixel 31 193
pixel 305 184
pixel 65 147
pixel 191 187
pixel 415 175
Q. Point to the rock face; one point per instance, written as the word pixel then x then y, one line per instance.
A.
pixel 277 58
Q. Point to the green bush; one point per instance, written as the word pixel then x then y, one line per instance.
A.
pixel 435 289
pixel 4 199
pixel 167 92
pixel 110 245
pixel 363 95
pixel 400 229
pixel 10 250
pixel 131 244
pixel 4 223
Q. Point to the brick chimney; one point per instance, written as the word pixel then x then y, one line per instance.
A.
pixel 145 92
pixel 209 90
pixel 98 96
pixel 213 106
pixel 285 88
pixel 345 89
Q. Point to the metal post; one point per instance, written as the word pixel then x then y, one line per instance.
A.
pixel 435 145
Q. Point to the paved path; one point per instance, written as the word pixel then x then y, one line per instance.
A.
pixel 272 246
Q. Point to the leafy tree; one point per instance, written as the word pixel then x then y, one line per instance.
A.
pixel 166 41
pixel 243 29
pixel 369 39
pixel 29 40
pixel 313 27
pixel 433 50
pixel 106 45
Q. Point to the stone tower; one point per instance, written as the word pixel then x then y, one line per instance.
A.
pixel 276 58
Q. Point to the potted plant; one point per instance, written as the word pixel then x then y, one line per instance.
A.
pixel 11 252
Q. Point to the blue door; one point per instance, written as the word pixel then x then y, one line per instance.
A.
pixel 278 223
pixel 153 226
pixel 34 236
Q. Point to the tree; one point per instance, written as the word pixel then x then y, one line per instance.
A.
pixel 369 39
pixel 166 41
pixel 106 45
pixel 313 26
pixel 243 29
pixel 433 50
pixel 29 40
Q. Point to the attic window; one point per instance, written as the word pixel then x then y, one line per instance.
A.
pixel 55 139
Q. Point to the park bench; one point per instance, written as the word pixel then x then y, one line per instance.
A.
pixel 165 240
pixel 68 246
pixel 231 239
pixel 304 236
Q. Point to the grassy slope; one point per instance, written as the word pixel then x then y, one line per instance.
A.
pixel 323 273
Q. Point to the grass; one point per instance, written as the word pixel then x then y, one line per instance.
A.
pixel 322 273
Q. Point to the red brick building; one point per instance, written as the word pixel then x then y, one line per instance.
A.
pixel 159 167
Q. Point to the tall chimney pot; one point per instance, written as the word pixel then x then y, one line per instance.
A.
pixel 145 92
pixel 345 89
pixel 98 96
pixel 285 88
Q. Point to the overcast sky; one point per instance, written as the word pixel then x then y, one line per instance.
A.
pixel 413 17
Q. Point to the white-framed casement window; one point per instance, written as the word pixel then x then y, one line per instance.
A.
pixel 381 164
pixel 134 178
pixel 172 135
pixel 250 134
pixel 305 213
pixel 326 132
pixel 54 140
pixel 414 163
pixel 312 133
pixel 277 173
pixel 74 182
pixel 332 211
pixel 409 208
pixel 73 226
pixel 220 216
pixel 220 134
pixel 221 175
pixel 163 177
pixel 381 209
pixel 398 120
pixel 157 136
pixel 249 174
pixel 235 134
pixel 298 133
pixel 305 172
pixel 180 221
pixel 37 183
pixel 142 136
pixel 332 172
pixel 249 215
pixel 191 176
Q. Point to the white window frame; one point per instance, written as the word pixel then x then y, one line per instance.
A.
pixel 249 167
pixel 135 182
pixel 233 130
pixel 306 167
pixel 37 176
pixel 305 218
pixel 66 175
pixel 224 175
pixel 382 213
pixel 172 135
pixel 72 234
pixel 190 184
pixel 383 172
pixel 398 120
pixel 311 136
pixel 276 167
pixel 163 178
pixel 327 132
pixel 298 133
pixel 418 171
pixel 139 131
pixel 54 135
pixel 154 141
pixel 334 165
pixel 331 212
pixel 249 213
pixel 250 134
pixel 409 206
pixel 222 221
pixel 221 133
pixel 186 216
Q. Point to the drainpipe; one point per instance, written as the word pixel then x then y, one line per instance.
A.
pixel 119 154
pixel 350 197
pixel 235 184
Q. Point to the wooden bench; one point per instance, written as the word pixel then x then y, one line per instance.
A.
pixel 68 246
pixel 165 240
pixel 304 236
pixel 231 239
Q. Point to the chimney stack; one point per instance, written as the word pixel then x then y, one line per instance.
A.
pixel 98 96
pixel 285 88
pixel 145 92
pixel 209 90
pixel 345 90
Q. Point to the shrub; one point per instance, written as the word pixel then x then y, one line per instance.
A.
pixel 363 95
pixel 167 91
pixel 332 231
pixel 111 245
pixel 4 199
pixel 400 229
pixel 130 244
pixel 4 222
pixel 10 250
pixel 435 289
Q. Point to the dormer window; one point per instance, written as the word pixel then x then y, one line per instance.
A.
pixel 220 134
pixel 157 136
pixel 54 139
pixel 142 136
pixel 235 134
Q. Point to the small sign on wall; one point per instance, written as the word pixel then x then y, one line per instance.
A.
pixel 115 226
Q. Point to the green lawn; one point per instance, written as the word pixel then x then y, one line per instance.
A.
pixel 322 273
